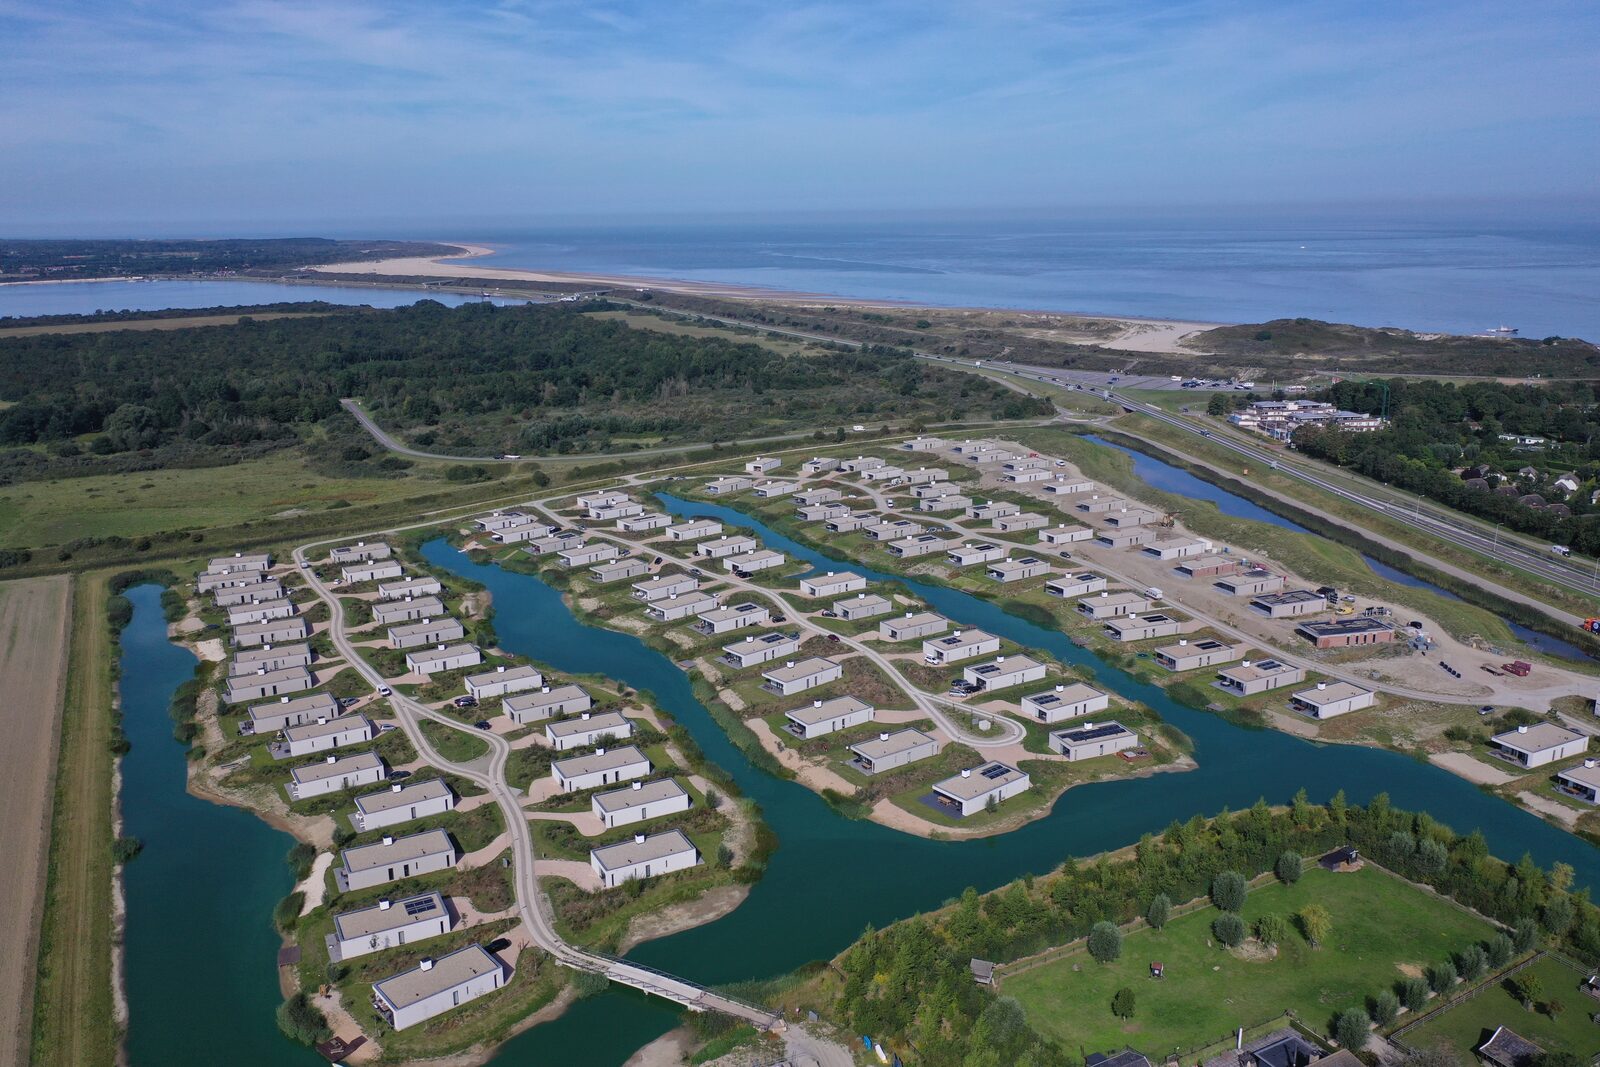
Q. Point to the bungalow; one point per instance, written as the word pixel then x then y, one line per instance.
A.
pixel 240 562
pixel 976 552
pixel 393 858
pixel 923 544
pixel 794 677
pixel 973 790
pixel 994 509
pixel 922 444
pixel 1539 744
pixel 1208 567
pixel 644 522
pixel 602 767
pixel 360 551
pixel 619 569
pixel 1582 781
pixel 893 529
pixel 725 546
pixel 1065 702
pixel 389 612
pixel 681 607
pixel 694 530
pixel 261 611
pixel 402 802
pixel 1026 463
pixel 855 520
pixel 969 446
pixel 763 648
pixel 1248 678
pixel 822 717
pixel 1142 627
pixel 1131 537
pixel 209 581
pixel 959 645
pixel 912 625
pixel 443 658
pixel 1076 585
pixel 640 801
pixel 502 681
pixel 521 532
pixel 266 589
pixel 334 775
pixel 1069 487
pixel 727 484
pixel 588 554
pixel 1099 505
pixel 1327 701
pixel 825 495
pixel 763 465
pixel 1065 534
pixel 427 632
pixel 603 499
pixel 543 546
pixel 821 512
pixel 271 631
pixel 524 708
pixel 1253 582
pixel 646 856
pixel 434 987
pixel 1178 547
pixel 312 737
pixel 1289 604
pixel 269 658
pixel 410 587
pixel 885 473
pixel 860 463
pixel 1027 475
pixel 888 751
pixel 1125 518
pixel 370 572
pixel 864 606
pixel 663 586
pixel 1015 570
pixel 1003 672
pixel 723 620
pixel 266 719
pixel 762 559
pixel 773 490
pixel 267 683
pixel 1112 605
pixel 819 465
pixel 1020 523
pixel 831 584
pixel 616 512
pixel 588 729
pixel 1345 633
pixel 925 476
pixel 947 502
pixel 1092 740
pixel 1206 652
pixel 388 924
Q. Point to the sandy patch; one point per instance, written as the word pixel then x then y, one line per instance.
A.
pixel 577 872
pixel 315 887
pixel 675 918
pixel 669 1050
pixel 211 650
pixel 1553 808
pixel 1475 771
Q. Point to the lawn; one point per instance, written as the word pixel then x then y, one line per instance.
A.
pixel 1380 924
pixel 1466 1026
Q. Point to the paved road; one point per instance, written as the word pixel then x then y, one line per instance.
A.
pixel 533 907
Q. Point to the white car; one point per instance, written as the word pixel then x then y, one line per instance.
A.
pixel 385 691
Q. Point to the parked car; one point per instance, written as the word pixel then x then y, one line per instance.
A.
pixel 481 724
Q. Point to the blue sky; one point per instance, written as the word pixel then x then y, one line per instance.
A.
pixel 149 113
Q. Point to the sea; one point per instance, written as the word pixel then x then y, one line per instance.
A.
pixel 1452 275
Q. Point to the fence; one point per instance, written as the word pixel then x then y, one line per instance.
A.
pixel 1397 1037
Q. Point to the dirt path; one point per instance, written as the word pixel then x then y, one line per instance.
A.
pixel 34 618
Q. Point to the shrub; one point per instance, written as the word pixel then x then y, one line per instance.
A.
pixel 287 912
pixel 1315 923
pixel 1123 1003
pixel 1413 993
pixel 1228 890
pixel 1289 867
pixel 1105 942
pixel 1350 1028
pixel 1159 911
pixel 301 1021
pixel 124 849
pixel 1228 929
pixel 589 984
pixel 1384 1007
pixel 1272 929
pixel 300 858
pixel 1526 987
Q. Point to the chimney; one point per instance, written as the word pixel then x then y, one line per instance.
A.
pixel 638 839
pixel 283 700
pixel 816 703
pixel 999 659
pixel 1182 641
pixel 388 839
pixel 584 716
pixel 1246 663
pixel 1104 594
pixel 1322 685
pixel 501 669
pixel 883 737
pixel 426 964
pixel 908 614
pixel 1522 729
pixel 599 752
pixel 861 596
pixel 1061 689
pixel 956 633
pixel 383 905
pixel 1591 763
pixel 395 788
pixel 322 720
pixel 638 784
pixel 544 689
pixel 330 759
pixel 966 774
pixel 789 663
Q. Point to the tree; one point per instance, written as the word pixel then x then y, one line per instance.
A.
pixel 132 427
pixel 1554 1008
pixel 1159 911
pixel 1271 929
pixel 1499 950
pixel 1525 938
pixel 1441 976
pixel 1432 857
pixel 1315 923
pixel 1228 928
pixel 1228 890
pixel 1350 1028
pixel 1558 916
pixel 1289 867
pixel 1217 405
pixel 1413 993
pixel 1526 987
pixel 302 1021
pixel 1472 962
pixel 1384 1007
pixel 1122 1003
pixel 1105 942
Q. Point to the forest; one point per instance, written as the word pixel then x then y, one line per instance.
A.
pixel 68 259
pixel 910 983
pixel 1527 456
pixel 472 379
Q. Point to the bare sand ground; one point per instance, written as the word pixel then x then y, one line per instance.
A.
pixel 34 617
pixel 1475 771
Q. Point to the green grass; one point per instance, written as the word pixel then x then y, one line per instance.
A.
pixel 457 746
pixel 1467 1025
pixel 1379 925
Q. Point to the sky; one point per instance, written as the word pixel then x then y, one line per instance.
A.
pixel 117 115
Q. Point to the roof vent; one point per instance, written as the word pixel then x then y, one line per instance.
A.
pixel 1522 729
pixel 638 839
pixel 1061 689
pixel 322 720
pixel 1182 642
pixel 638 784
pixel 816 703
pixel 599 752
pixel 395 788
pixel 585 715
pixel 1322 685
pixel 426 964
pixel 383 905
pixel 501 669
pixel 883 737
pixel 966 774
pixel 331 759
pixel 1246 663
pixel 388 839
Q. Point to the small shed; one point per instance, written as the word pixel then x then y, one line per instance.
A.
pixel 1343 858
pixel 982 971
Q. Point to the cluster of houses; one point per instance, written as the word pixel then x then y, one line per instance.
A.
pixel 1528 486
pixel 1279 419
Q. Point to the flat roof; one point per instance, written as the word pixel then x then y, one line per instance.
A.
pixel 980 780
pixel 1266 668
pixel 606 720
pixel 695 597
pixel 921 618
pixel 1589 776
pixel 653 847
pixel 410 793
pixel 961 638
pixel 1341 627
pixel 325 727
pixel 1336 691
pixel 811 714
pixel 837 578
pixel 426 626
pixel 870 601
pixel 1071 694
pixel 316 772
pixel 509 674
pixel 447 972
pixel 1119 598
pixel 524 701
pixel 760 641
pixel 401 849
pixel 648 792
pixel 426 655
pixel 1006 665
pixel 661 580
pixel 364 922
pixel 734 611
pixel 1293 596
pixel 313 703
pixel 1207 645
pixel 877 748
pixel 1538 737
pixel 802 669
pixel 1098 731
pixel 609 760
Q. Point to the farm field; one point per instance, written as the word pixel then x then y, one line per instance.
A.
pixel 1382 929
pixel 1469 1024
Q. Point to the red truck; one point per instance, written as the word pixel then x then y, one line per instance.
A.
pixel 1520 668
